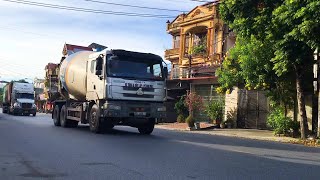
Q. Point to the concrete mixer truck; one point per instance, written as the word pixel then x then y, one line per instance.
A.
pixel 111 87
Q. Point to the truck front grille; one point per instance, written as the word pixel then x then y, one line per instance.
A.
pixel 138 96
pixel 136 88
pixel 26 105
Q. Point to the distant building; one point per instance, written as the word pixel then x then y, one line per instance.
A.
pixel 39 96
pixel 69 49
pixel 51 80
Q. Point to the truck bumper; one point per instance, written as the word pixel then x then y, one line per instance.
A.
pixel 133 110
pixel 24 111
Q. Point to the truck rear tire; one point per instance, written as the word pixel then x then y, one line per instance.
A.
pixel 95 123
pixel 56 116
pixel 147 128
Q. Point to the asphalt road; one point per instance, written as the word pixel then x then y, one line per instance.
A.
pixel 32 148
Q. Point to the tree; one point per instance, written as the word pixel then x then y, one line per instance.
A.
pixel 22 81
pixel 1 94
pixel 249 65
pixel 282 25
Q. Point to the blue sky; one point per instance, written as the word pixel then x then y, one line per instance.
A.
pixel 33 36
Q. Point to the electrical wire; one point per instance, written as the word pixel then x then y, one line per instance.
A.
pixel 201 1
pixel 134 6
pixel 87 10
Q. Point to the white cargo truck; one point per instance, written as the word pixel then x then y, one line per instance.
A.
pixel 111 87
pixel 18 99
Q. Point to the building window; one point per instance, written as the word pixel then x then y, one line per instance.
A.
pixel 176 42
pixel 199 39
pixel 93 66
pixel 186 44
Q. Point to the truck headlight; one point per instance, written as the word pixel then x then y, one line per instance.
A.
pixel 16 105
pixel 34 106
pixel 162 109
pixel 112 107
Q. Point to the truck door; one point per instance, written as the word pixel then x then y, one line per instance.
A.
pixel 95 79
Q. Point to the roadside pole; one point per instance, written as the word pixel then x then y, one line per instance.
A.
pixel 316 85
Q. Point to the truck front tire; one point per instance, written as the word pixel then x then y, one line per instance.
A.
pixel 56 116
pixel 95 123
pixel 147 128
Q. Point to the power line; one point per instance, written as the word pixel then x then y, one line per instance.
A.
pixel 201 1
pixel 78 9
pixel 134 6
pixel 26 32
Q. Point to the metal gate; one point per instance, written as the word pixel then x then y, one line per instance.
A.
pixel 253 109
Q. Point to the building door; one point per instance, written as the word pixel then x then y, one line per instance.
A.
pixel 256 110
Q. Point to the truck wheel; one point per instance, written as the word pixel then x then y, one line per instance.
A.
pixel 95 123
pixel 34 114
pixel 56 116
pixel 147 128
pixel 63 116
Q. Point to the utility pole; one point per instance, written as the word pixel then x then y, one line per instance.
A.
pixel 316 85
pixel 315 95
pixel 190 61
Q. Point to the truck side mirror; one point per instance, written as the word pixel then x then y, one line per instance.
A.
pixel 165 69
pixel 99 64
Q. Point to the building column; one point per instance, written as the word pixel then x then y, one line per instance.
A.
pixel 182 47
pixel 209 41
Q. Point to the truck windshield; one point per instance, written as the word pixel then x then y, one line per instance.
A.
pixel 133 68
pixel 24 96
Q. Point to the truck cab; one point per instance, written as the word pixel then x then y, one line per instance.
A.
pixel 22 99
pixel 130 86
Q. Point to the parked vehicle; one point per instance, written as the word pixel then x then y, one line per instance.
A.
pixel 111 87
pixel 18 99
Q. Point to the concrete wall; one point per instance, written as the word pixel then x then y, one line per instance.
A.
pixel 231 105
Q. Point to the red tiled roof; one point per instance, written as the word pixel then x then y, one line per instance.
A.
pixel 51 66
pixel 71 47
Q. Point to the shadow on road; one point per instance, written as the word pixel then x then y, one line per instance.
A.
pixel 117 131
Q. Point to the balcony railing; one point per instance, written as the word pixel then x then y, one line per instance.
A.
pixel 196 71
pixel 172 27
pixel 179 73
pixel 172 52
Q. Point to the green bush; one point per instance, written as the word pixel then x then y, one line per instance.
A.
pixel 190 121
pixel 180 107
pixel 181 118
pixel 199 49
pixel 278 122
pixel 214 110
pixel 295 126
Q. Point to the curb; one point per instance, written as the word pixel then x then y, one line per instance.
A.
pixel 269 139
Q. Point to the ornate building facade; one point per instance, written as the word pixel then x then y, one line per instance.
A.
pixel 200 41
